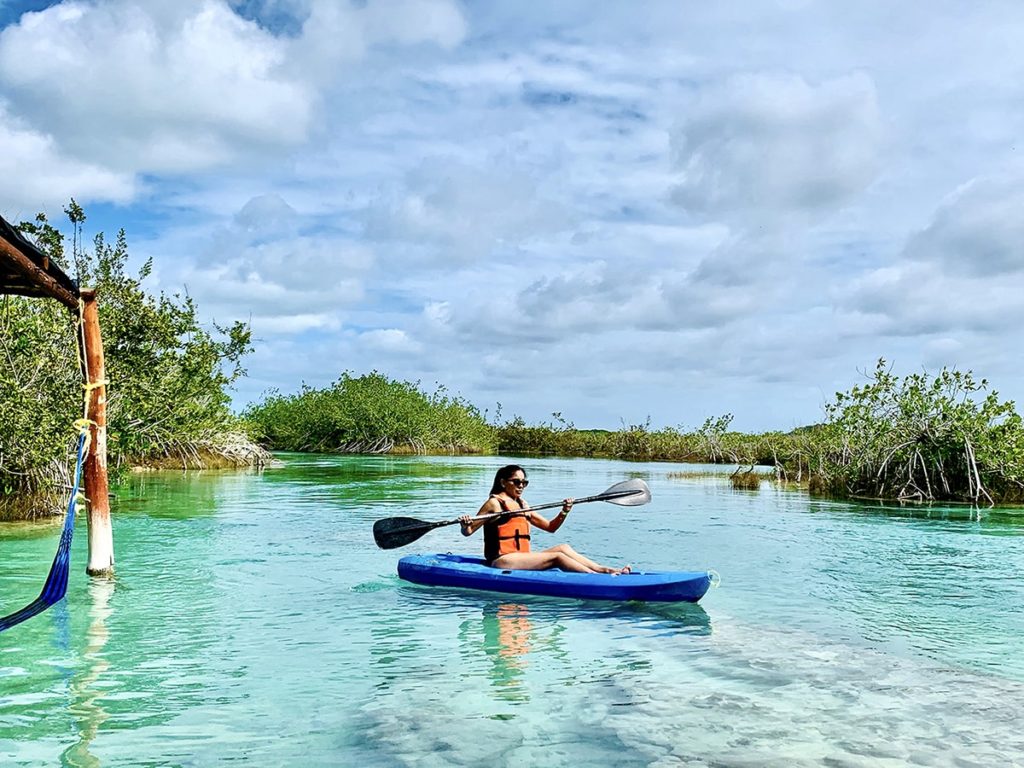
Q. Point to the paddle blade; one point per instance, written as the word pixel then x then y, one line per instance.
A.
pixel 394 532
pixel 628 493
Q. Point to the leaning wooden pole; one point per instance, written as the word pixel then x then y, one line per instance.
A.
pixel 101 532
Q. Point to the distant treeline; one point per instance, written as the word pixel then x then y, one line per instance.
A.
pixel 913 438
pixel 375 414
pixel 712 443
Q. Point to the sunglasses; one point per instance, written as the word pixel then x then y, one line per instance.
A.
pixel 518 483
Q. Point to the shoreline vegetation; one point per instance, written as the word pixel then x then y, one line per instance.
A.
pixel 910 439
pixel 917 438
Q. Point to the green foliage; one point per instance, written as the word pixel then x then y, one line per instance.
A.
pixel 748 479
pixel 370 414
pixel 167 376
pixel 922 438
pixel 711 443
pixel 516 437
pixel 40 393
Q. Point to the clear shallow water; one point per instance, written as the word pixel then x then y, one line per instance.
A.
pixel 253 621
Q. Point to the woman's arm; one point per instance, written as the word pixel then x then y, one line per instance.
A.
pixel 553 524
pixel 470 525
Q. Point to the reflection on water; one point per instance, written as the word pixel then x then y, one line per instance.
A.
pixel 85 708
pixel 511 640
pixel 508 637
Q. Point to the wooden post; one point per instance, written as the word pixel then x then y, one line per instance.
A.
pixel 101 533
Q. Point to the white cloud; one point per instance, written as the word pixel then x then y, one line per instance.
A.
pixel 761 144
pixel 152 87
pixel 955 280
pixel 292 323
pixel 35 174
pixel 390 341
pixel 266 213
pixel 572 71
pixel 917 301
pixel 938 352
pixel 336 34
pixel 437 314
pixel 265 267
pixel 978 231
pixel 464 211
pixel 143 87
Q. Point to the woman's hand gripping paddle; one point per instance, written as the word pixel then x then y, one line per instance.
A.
pixel 393 532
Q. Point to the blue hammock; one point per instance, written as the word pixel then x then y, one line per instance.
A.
pixel 57 581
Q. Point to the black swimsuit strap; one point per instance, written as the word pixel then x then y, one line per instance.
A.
pixel 504 506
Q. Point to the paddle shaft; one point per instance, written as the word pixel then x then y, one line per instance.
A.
pixel 395 532
pixel 550 505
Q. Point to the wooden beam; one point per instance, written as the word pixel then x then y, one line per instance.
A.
pixel 101 532
pixel 47 284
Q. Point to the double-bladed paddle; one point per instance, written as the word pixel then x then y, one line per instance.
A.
pixel 393 532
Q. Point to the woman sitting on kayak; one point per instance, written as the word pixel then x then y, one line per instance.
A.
pixel 507 538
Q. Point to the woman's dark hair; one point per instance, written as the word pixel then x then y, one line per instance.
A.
pixel 504 474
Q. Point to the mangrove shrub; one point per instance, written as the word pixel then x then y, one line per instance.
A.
pixel 920 437
pixel 370 414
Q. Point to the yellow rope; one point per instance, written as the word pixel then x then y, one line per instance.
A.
pixel 87 386
pixel 82 425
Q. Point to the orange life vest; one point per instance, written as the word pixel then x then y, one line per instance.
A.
pixel 501 538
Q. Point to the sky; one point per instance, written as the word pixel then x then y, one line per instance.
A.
pixel 616 211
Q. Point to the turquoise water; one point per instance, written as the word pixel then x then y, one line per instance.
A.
pixel 254 622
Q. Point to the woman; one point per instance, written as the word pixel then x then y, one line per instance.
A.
pixel 507 538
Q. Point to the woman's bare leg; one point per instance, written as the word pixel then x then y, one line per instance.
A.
pixel 590 565
pixel 541 561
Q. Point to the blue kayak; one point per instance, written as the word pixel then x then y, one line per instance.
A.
pixel 472 573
